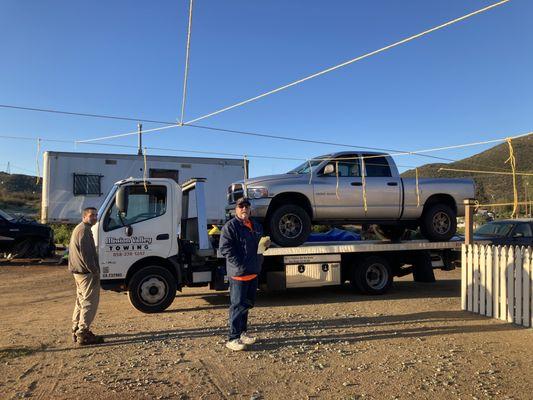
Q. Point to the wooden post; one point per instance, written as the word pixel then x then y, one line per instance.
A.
pixel 469 220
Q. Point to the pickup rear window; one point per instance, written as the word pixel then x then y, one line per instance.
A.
pixel 377 167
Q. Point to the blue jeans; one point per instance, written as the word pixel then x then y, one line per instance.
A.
pixel 242 298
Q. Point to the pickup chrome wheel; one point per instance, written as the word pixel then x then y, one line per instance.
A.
pixel 289 225
pixel 373 275
pixel 152 289
pixel 438 223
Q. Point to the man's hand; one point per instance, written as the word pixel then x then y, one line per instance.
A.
pixel 264 243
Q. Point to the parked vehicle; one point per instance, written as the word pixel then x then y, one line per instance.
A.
pixel 515 232
pixel 25 238
pixel 152 242
pixel 333 189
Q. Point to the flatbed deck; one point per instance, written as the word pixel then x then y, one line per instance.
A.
pixel 360 247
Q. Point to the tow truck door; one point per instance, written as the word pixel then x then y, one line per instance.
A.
pixel 145 229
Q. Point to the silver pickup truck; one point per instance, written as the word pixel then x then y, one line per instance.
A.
pixel 332 189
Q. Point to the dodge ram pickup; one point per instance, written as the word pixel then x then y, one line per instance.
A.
pixel 352 188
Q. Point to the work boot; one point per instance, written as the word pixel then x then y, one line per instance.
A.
pixel 247 339
pixel 74 335
pixel 235 345
pixel 86 337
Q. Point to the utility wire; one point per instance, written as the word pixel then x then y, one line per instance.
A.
pixel 372 53
pixel 187 56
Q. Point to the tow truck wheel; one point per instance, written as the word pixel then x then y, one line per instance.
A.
pixel 373 275
pixel 152 289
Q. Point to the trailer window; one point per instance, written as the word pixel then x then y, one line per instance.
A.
pixel 87 184
pixel 142 205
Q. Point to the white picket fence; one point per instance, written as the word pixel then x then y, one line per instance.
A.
pixel 497 281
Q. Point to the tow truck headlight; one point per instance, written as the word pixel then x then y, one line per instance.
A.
pixel 257 193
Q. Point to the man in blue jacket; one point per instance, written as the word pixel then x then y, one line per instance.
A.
pixel 239 241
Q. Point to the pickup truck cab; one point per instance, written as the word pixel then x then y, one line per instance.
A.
pixel 507 232
pixel 352 188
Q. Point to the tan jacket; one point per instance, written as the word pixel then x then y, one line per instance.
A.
pixel 82 257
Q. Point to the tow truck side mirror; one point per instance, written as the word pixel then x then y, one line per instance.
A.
pixel 329 169
pixel 120 200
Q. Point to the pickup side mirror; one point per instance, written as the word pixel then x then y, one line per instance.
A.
pixel 328 169
pixel 121 200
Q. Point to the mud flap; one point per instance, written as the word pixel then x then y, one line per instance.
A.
pixel 422 267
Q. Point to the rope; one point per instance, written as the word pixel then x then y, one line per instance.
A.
pixel 363 180
pixel 512 161
pixel 128 134
pixel 372 53
pixel 486 172
pixel 186 63
pixel 337 175
pixel 245 167
pixel 503 204
pixel 310 171
pixel 417 188
pixel 38 169
pixel 144 171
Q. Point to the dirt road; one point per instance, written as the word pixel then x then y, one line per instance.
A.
pixel 315 344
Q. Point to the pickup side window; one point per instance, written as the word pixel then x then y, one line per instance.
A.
pixel 523 230
pixel 348 167
pixel 141 206
pixel 377 167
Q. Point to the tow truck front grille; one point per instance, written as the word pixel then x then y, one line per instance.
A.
pixel 235 192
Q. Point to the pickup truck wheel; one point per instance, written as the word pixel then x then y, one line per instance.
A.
pixel 23 249
pixel 290 225
pixel 439 223
pixel 373 275
pixel 391 232
pixel 152 289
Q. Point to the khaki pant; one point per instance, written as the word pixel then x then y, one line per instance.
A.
pixel 87 298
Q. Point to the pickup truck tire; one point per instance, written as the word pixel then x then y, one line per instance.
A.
pixel 438 223
pixel 289 225
pixel 152 289
pixel 373 275
pixel 391 232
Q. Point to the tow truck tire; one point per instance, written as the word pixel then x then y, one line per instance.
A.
pixel 438 223
pixel 152 289
pixel 289 225
pixel 373 276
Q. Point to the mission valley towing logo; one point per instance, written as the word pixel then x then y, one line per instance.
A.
pixel 128 246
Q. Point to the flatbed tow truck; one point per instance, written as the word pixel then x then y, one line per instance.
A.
pixel 152 240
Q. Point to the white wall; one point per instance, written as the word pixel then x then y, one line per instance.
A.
pixel 62 206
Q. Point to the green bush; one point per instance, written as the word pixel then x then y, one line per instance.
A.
pixel 62 233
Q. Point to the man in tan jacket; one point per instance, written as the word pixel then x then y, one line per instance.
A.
pixel 83 263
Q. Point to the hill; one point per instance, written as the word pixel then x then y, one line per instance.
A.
pixel 20 194
pixel 489 188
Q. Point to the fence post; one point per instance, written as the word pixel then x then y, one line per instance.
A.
pixel 469 220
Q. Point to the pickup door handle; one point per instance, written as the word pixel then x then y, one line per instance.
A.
pixel 392 183
pixel 356 183
pixel 162 236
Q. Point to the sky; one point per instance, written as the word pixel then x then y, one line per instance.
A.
pixel 468 82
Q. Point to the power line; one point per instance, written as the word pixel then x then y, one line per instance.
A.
pixel 325 71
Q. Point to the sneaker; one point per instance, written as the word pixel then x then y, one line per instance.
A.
pixel 87 337
pixel 235 345
pixel 74 336
pixel 247 339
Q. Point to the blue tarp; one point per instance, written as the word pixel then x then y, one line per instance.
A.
pixel 334 235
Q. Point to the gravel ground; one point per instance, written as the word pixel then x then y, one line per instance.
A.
pixel 327 343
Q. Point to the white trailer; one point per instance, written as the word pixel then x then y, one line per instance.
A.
pixel 154 242
pixel 73 181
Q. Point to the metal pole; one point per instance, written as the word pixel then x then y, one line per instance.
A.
pixel 469 220
pixel 140 143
